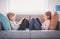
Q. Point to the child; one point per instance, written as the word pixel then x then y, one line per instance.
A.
pixel 13 23
pixel 35 23
pixel 46 23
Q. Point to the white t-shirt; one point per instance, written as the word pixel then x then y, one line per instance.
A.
pixel 46 24
pixel 14 25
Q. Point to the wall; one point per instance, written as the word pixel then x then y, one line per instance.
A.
pixel 28 6
pixel 52 5
pixel 3 6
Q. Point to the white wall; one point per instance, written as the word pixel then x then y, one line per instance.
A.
pixel 3 6
pixel 28 6
pixel 32 5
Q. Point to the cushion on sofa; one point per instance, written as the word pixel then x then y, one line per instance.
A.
pixel 54 21
pixel 5 22
pixel 19 17
pixel 15 34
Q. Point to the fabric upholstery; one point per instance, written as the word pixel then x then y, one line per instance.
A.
pixel 45 34
pixel 54 21
pixel 18 17
pixel 5 22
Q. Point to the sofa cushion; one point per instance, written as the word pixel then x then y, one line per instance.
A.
pixel 40 17
pixel 18 17
pixel 54 21
pixel 5 22
pixel 15 34
pixel 45 34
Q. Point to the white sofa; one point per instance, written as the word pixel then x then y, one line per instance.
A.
pixel 34 34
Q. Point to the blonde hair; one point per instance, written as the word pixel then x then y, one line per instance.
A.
pixel 10 14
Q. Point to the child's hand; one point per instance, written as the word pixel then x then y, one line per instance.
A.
pixel 20 21
pixel 42 24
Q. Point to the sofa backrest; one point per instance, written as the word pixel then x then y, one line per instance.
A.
pixel 5 22
pixel 18 17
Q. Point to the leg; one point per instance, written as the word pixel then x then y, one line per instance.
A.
pixel 37 25
pixel 31 24
pixel 24 25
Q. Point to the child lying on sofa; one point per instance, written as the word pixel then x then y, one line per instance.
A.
pixel 21 25
pixel 46 23
pixel 41 26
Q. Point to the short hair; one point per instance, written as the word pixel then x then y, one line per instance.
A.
pixel 48 13
pixel 10 14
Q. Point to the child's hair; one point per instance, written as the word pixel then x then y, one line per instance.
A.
pixel 48 13
pixel 10 14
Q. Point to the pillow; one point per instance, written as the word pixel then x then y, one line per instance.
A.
pixel 5 22
pixel 54 21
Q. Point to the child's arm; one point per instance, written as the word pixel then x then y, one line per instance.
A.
pixel 20 21
pixel 43 26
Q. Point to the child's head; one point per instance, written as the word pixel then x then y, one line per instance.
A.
pixel 47 15
pixel 11 16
